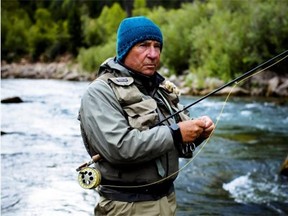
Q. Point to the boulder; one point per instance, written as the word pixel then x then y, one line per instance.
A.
pixel 282 90
pixel 272 86
pixel 233 91
pixel 284 168
pixel 12 100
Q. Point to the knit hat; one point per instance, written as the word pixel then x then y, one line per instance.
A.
pixel 134 30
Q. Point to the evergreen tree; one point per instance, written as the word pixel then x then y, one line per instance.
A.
pixel 75 30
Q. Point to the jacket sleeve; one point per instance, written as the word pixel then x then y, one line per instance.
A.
pixel 106 127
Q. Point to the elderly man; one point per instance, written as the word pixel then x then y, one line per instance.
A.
pixel 118 116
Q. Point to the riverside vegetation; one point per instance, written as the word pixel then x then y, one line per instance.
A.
pixel 207 43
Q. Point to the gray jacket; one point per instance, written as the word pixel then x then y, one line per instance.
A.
pixel 131 156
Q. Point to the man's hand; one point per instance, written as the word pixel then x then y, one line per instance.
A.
pixel 209 127
pixel 196 128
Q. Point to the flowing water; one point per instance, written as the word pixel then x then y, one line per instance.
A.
pixel 235 173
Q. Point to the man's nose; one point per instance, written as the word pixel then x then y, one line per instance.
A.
pixel 153 52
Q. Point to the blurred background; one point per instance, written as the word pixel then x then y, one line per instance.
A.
pixel 202 38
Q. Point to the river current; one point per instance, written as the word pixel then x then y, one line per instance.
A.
pixel 236 172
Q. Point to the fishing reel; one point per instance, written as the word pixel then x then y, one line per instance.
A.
pixel 89 177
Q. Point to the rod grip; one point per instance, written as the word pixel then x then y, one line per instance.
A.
pixel 95 158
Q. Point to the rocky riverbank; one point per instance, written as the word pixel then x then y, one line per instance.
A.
pixel 268 83
pixel 61 70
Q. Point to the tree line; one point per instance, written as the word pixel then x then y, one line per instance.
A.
pixel 45 29
pixel 212 38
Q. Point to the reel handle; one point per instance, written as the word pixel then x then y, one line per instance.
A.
pixel 95 158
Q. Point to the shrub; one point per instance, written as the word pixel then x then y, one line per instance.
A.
pixel 14 35
pixel 90 59
pixel 42 35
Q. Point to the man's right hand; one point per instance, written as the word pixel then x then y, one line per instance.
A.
pixel 193 129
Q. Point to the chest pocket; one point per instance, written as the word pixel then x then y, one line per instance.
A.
pixel 140 109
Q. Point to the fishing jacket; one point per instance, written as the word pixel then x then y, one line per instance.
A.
pixel 117 117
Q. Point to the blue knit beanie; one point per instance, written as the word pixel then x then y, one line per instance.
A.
pixel 134 30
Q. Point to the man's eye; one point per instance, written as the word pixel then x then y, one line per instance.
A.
pixel 157 46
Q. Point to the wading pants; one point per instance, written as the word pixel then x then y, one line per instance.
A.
pixel 165 206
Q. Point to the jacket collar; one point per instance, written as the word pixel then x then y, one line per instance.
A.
pixel 148 84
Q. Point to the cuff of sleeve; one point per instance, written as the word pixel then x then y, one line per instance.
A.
pixel 177 137
pixel 198 141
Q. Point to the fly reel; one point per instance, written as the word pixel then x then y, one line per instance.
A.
pixel 88 177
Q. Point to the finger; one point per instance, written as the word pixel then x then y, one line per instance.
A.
pixel 209 124
pixel 210 128
pixel 200 123
pixel 207 120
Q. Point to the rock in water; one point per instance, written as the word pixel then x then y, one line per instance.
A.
pixel 284 168
pixel 12 100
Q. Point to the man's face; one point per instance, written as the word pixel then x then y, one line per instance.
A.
pixel 144 57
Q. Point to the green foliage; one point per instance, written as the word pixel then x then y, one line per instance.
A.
pixel 75 30
pixel 217 54
pixel 221 38
pixel 213 38
pixel 99 30
pixel 62 42
pixel 90 59
pixel 42 34
pixel 158 15
pixel 109 20
pixel 100 35
pixel 91 33
pixel 177 35
pixel 268 30
pixel 139 8
pixel 237 36
pixel 14 35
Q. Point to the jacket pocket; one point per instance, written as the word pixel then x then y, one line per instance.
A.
pixel 142 115
pixel 125 91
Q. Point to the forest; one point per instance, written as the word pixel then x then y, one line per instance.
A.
pixel 216 38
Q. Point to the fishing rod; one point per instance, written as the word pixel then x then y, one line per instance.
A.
pixel 90 178
pixel 235 81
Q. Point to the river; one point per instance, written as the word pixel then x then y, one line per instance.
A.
pixel 235 173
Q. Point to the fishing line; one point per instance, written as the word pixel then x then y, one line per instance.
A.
pixel 203 145
pixel 222 110
pixel 236 80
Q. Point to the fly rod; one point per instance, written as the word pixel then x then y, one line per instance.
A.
pixel 240 78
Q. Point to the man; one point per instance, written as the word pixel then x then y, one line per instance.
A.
pixel 119 114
